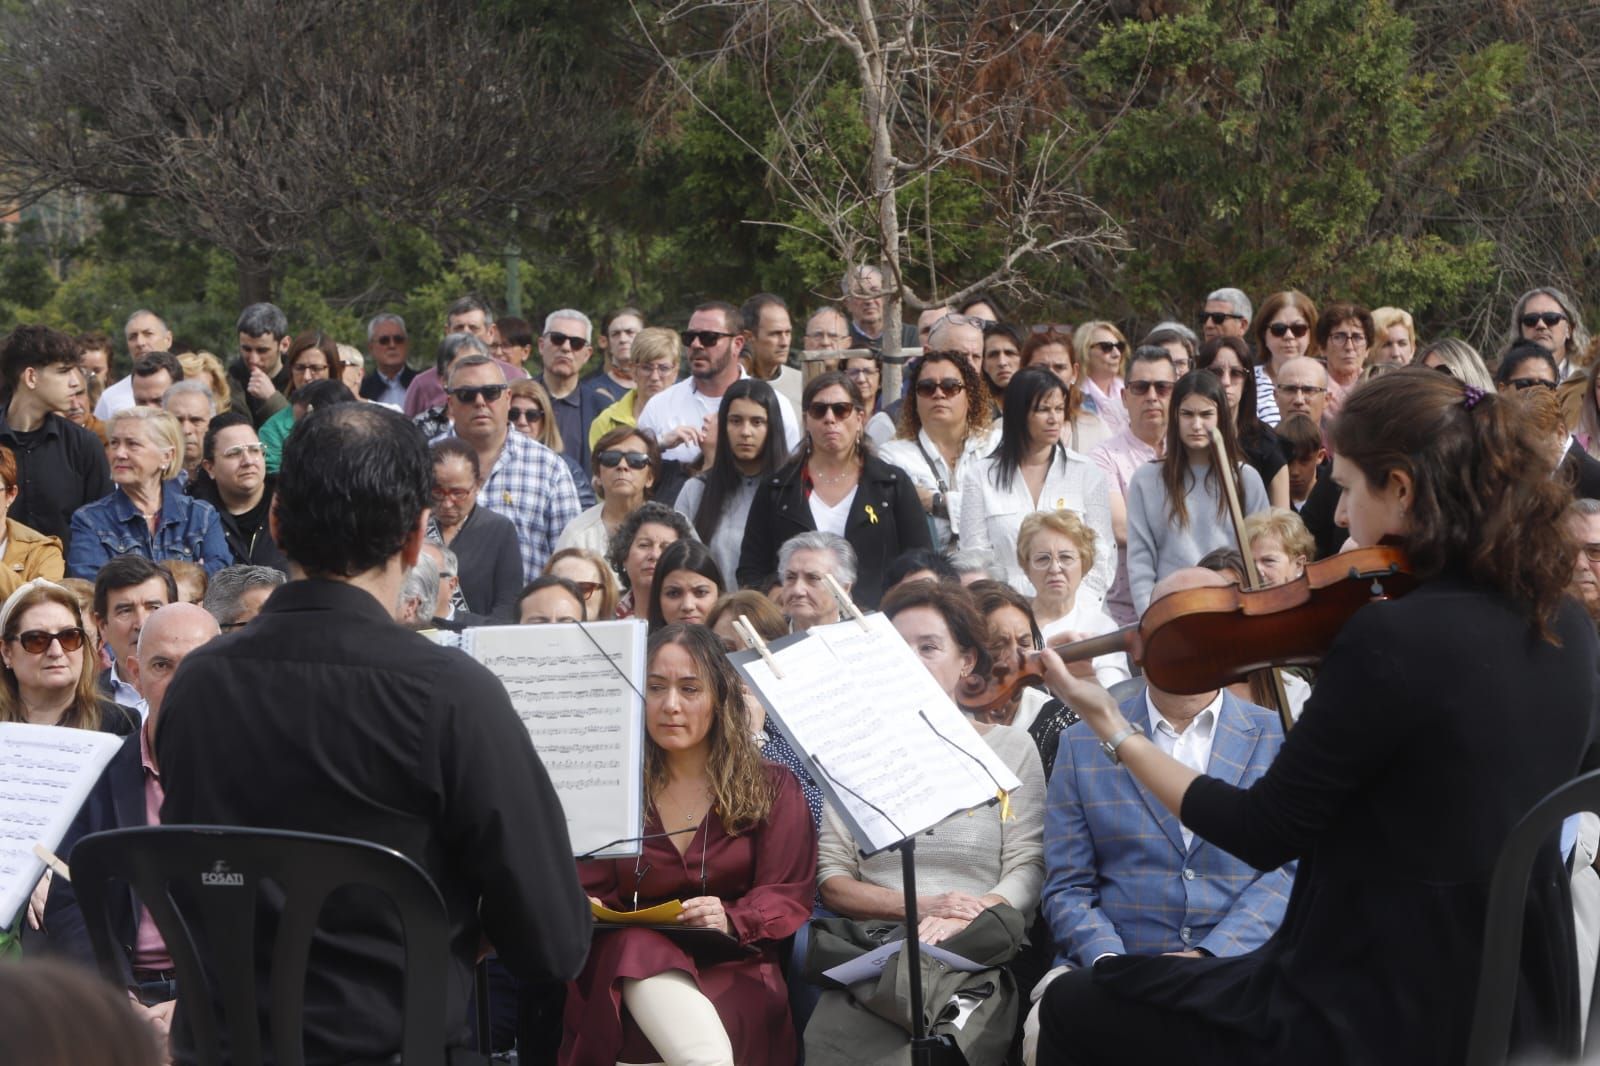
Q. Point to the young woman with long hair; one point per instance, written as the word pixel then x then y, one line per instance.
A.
pixel 1231 360
pixel 749 448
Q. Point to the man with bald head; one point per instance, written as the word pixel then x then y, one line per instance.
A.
pixel 129 795
pixel 1122 875
pixel 1302 389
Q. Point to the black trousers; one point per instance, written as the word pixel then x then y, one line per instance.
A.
pixel 1083 1024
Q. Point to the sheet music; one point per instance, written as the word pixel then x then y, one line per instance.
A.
pixel 46 773
pixel 585 718
pixel 868 717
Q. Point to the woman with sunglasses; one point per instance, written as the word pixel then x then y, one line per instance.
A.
pixel 1283 330
pixel 48 676
pixel 592 576
pixel 837 485
pixel 1231 360
pixel 488 561
pixel 1550 317
pixel 1049 345
pixel 748 448
pixel 530 415
pixel 686 586
pixel 1178 508
pixel 1100 348
pixel 729 836
pixel 945 427
pixel 626 464
pixel 1032 469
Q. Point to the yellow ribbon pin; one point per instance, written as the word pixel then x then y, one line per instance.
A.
pixel 1061 501
pixel 1005 806
pixel 872 516
pixel 506 497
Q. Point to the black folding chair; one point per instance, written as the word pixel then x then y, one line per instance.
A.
pixel 219 872
pixel 1502 932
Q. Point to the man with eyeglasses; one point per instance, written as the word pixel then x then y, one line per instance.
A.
pixel 467 317
pixel 563 349
pixel 523 480
pixel 677 415
pixel 1226 314
pixel 389 346
pixel 1302 389
pixel 827 330
pixel 1583 526
pixel 1148 399
pixel 767 335
pixel 239 488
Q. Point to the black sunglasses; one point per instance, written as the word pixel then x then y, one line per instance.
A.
pixel 1107 347
pixel 558 340
pixel 1551 319
pixel 1139 388
pixel 470 393
pixel 929 388
pixel 532 414
pixel 1283 329
pixel 819 410
pixel 36 641
pixel 708 338
pixel 1521 384
pixel 611 458
pixel 1217 318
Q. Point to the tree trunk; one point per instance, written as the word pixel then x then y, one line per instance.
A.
pixel 255 281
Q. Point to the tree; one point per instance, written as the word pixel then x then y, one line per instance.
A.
pixel 257 124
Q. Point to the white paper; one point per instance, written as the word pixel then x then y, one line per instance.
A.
pixel 867 967
pixel 581 706
pixel 880 733
pixel 46 773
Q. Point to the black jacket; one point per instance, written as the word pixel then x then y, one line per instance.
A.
pixel 60 467
pixel 372 385
pixel 258 411
pixel 1319 511
pixel 254 546
pixel 488 566
pixel 886 518
pixel 1584 470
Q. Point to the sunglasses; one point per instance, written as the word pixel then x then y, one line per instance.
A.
pixel 1217 318
pixel 1551 319
pixel 390 338
pixel 470 393
pixel 36 641
pixel 531 414
pixel 1229 373
pixel 1283 329
pixel 1521 384
pixel 561 340
pixel 587 588
pixel 841 410
pixel 1140 388
pixel 944 387
pixel 1107 347
pixel 611 458
pixel 708 338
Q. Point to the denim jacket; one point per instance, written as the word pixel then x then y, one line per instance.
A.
pixel 111 526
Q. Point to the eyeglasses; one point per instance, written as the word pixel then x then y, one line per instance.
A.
pixel 1521 384
pixel 239 451
pixel 1550 319
pixel 1043 562
pixel 708 338
pixel 562 340
pixel 1229 373
pixel 1443 369
pixel 1591 552
pixel 1107 347
pixel 1351 340
pixel 1297 391
pixel 1283 329
pixel 928 388
pixel 654 370
pixel 841 410
pixel 1140 388
pixel 1217 318
pixel 458 495
pixel 36 641
pixel 587 588
pixel 387 338
pixel 309 368
pixel 470 393
pixel 861 373
pixel 531 414
pixel 611 459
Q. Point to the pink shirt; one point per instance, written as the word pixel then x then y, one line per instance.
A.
pixel 1118 458
pixel 1108 406
pixel 149 950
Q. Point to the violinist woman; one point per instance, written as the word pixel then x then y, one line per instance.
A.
pixel 1178 508
pixel 741 857
pixel 1400 783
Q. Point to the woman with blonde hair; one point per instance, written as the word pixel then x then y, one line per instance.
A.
pixel 532 415
pixel 1396 343
pixel 594 577
pixel 1057 548
pixel 147 513
pixel 203 366
pixel 1102 349
pixel 1454 356
pixel 655 354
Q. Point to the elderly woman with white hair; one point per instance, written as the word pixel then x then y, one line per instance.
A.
pixel 147 513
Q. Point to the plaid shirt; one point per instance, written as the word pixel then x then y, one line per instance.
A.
pixel 531 486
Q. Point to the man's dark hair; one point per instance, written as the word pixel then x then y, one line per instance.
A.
pixel 155 362
pixel 750 313
pixel 732 318
pixel 1151 353
pixel 551 581
pixel 325 393
pixel 126 571
pixel 226 420
pixel 1524 352
pixel 1299 437
pixel 466 305
pixel 263 318
pixel 913 559
pixel 36 347
pixel 354 481
pixel 514 332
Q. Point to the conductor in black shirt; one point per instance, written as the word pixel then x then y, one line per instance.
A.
pixel 324 715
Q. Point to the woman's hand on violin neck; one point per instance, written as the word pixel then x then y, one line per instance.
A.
pixel 1084 695
pixel 1080 667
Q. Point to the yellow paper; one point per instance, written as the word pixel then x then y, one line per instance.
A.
pixel 660 914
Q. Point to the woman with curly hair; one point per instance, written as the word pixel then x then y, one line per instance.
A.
pixel 729 836
pixel 635 549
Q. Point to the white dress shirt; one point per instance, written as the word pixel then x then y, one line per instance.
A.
pixel 1192 747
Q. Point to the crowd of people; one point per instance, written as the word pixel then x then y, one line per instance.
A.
pixel 1177 873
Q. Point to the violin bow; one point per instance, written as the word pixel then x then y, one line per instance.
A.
pixel 1230 488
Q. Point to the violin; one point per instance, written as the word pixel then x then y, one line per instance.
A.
pixel 1198 640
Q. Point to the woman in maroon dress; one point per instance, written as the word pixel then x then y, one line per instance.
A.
pixel 730 836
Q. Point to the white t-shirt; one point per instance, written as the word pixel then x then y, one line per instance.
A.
pixel 684 405
pixel 832 519
pixel 118 397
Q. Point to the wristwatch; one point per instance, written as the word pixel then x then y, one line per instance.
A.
pixel 1110 746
